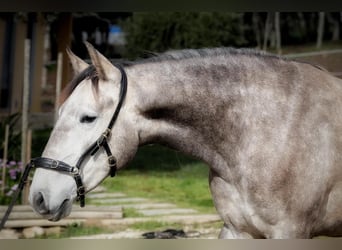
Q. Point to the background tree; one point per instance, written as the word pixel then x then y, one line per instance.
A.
pixel 159 32
pixel 277 32
pixel 333 20
pixel 320 29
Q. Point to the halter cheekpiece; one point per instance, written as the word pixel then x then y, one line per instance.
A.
pixel 60 166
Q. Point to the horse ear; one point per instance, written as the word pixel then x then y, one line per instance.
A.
pixel 102 64
pixel 78 65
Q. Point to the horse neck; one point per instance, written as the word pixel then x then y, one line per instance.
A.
pixel 185 107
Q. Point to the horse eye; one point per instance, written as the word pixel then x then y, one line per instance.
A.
pixel 87 119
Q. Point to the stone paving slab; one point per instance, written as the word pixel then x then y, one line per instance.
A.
pixel 149 205
pixel 204 233
pixel 166 211
pixel 105 195
pixel 115 202
pixel 122 200
pixel 76 207
pixel 43 223
pixel 81 214
pixel 9 234
pixel 127 234
pixel 184 219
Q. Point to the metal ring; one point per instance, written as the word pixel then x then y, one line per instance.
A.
pixel 54 164
pixel 111 161
pixel 74 171
pixel 107 133
pixel 81 190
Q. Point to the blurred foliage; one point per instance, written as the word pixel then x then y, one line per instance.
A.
pixel 39 140
pixel 160 31
pixel 159 158
pixel 13 166
pixel 14 136
pixel 13 171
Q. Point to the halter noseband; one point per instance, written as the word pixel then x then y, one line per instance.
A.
pixel 60 166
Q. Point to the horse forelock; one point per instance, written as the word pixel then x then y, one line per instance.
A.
pixel 88 73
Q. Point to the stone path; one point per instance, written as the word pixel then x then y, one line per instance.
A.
pixel 147 210
pixel 143 206
pixel 119 213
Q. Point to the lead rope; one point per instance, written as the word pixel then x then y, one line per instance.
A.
pixel 21 185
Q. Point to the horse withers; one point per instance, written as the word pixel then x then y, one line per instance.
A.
pixel 269 128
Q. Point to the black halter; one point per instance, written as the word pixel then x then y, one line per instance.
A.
pixel 47 163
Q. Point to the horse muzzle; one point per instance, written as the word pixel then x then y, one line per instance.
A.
pixel 42 207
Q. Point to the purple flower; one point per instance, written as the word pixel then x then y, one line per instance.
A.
pixel 13 173
pixel 12 190
pixel 12 163
pixel 20 166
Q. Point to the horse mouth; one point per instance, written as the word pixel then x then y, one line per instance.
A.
pixel 63 211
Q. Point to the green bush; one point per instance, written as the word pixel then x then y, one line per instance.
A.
pixel 13 172
pixel 161 31
pixel 14 138
pixel 13 166
pixel 39 140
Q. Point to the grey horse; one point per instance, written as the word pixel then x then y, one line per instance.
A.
pixel 269 128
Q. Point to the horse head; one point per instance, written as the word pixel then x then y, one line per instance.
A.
pixel 87 106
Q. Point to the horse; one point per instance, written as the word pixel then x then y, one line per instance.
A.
pixel 269 128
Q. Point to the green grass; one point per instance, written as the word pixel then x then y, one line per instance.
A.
pixel 154 225
pixel 166 176
pixel 131 213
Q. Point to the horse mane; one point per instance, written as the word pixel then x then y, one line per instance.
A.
pixel 178 55
pixel 88 73
pixel 173 55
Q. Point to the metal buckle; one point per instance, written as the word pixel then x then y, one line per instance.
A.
pixel 112 161
pixel 107 133
pixel 104 136
pixel 81 191
pixel 54 164
pixel 99 141
pixel 74 171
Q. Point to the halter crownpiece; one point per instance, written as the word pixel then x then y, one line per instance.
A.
pixel 60 166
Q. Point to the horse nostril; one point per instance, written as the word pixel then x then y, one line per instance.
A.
pixel 40 205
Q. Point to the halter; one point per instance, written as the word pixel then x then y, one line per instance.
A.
pixel 60 166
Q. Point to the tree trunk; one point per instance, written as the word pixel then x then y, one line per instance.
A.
pixel 267 30
pixel 320 30
pixel 335 26
pixel 277 32
pixel 256 20
pixel 302 22
pixel 64 33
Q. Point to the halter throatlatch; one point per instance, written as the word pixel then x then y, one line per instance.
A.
pixel 60 166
